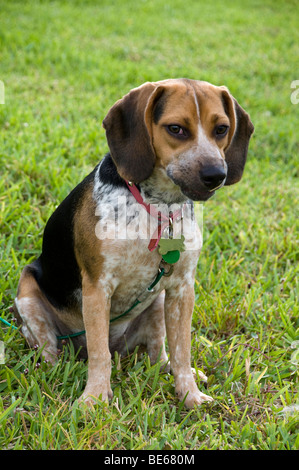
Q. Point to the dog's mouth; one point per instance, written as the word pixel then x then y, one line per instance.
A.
pixel 196 194
pixel 197 185
pixel 191 188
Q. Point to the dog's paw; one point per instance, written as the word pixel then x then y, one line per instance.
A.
pixel 92 394
pixel 186 389
pixel 196 399
pixel 198 374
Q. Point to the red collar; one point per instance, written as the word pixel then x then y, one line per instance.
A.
pixel 163 220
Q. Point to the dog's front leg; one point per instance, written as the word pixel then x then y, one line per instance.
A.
pixel 96 314
pixel 179 304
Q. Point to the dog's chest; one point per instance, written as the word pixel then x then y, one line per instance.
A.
pixel 124 230
pixel 129 270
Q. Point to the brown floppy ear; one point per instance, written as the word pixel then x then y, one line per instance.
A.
pixel 236 153
pixel 128 132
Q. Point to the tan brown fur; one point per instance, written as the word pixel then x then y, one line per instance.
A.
pixel 181 108
pixel 87 245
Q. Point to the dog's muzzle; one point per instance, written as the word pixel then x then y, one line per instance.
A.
pixel 212 177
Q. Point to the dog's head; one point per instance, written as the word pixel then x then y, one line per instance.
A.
pixel 196 132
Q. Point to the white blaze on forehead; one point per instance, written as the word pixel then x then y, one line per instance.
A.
pixel 196 104
pixel 203 143
pixel 208 149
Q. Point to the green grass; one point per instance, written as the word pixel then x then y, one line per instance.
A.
pixel 63 65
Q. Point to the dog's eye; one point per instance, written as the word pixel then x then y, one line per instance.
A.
pixel 221 130
pixel 176 130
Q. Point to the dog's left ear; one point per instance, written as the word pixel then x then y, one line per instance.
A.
pixel 236 153
pixel 128 131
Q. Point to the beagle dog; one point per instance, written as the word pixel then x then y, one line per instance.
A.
pixel 170 142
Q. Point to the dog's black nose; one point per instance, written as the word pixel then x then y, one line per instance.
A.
pixel 212 176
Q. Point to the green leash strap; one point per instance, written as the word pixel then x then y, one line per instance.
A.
pixel 138 301
pixel 58 337
pixel 8 324
pixel 160 274
pixel 72 335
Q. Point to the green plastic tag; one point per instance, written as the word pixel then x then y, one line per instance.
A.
pixel 171 244
pixel 171 257
pixel 171 248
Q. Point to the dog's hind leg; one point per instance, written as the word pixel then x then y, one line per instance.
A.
pixel 35 313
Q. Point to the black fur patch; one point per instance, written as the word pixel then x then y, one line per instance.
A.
pixel 57 271
pixel 159 109
pixel 108 173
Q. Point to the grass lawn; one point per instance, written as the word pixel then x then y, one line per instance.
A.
pixel 63 64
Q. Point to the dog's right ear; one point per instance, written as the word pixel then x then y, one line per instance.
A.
pixel 128 132
pixel 242 129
